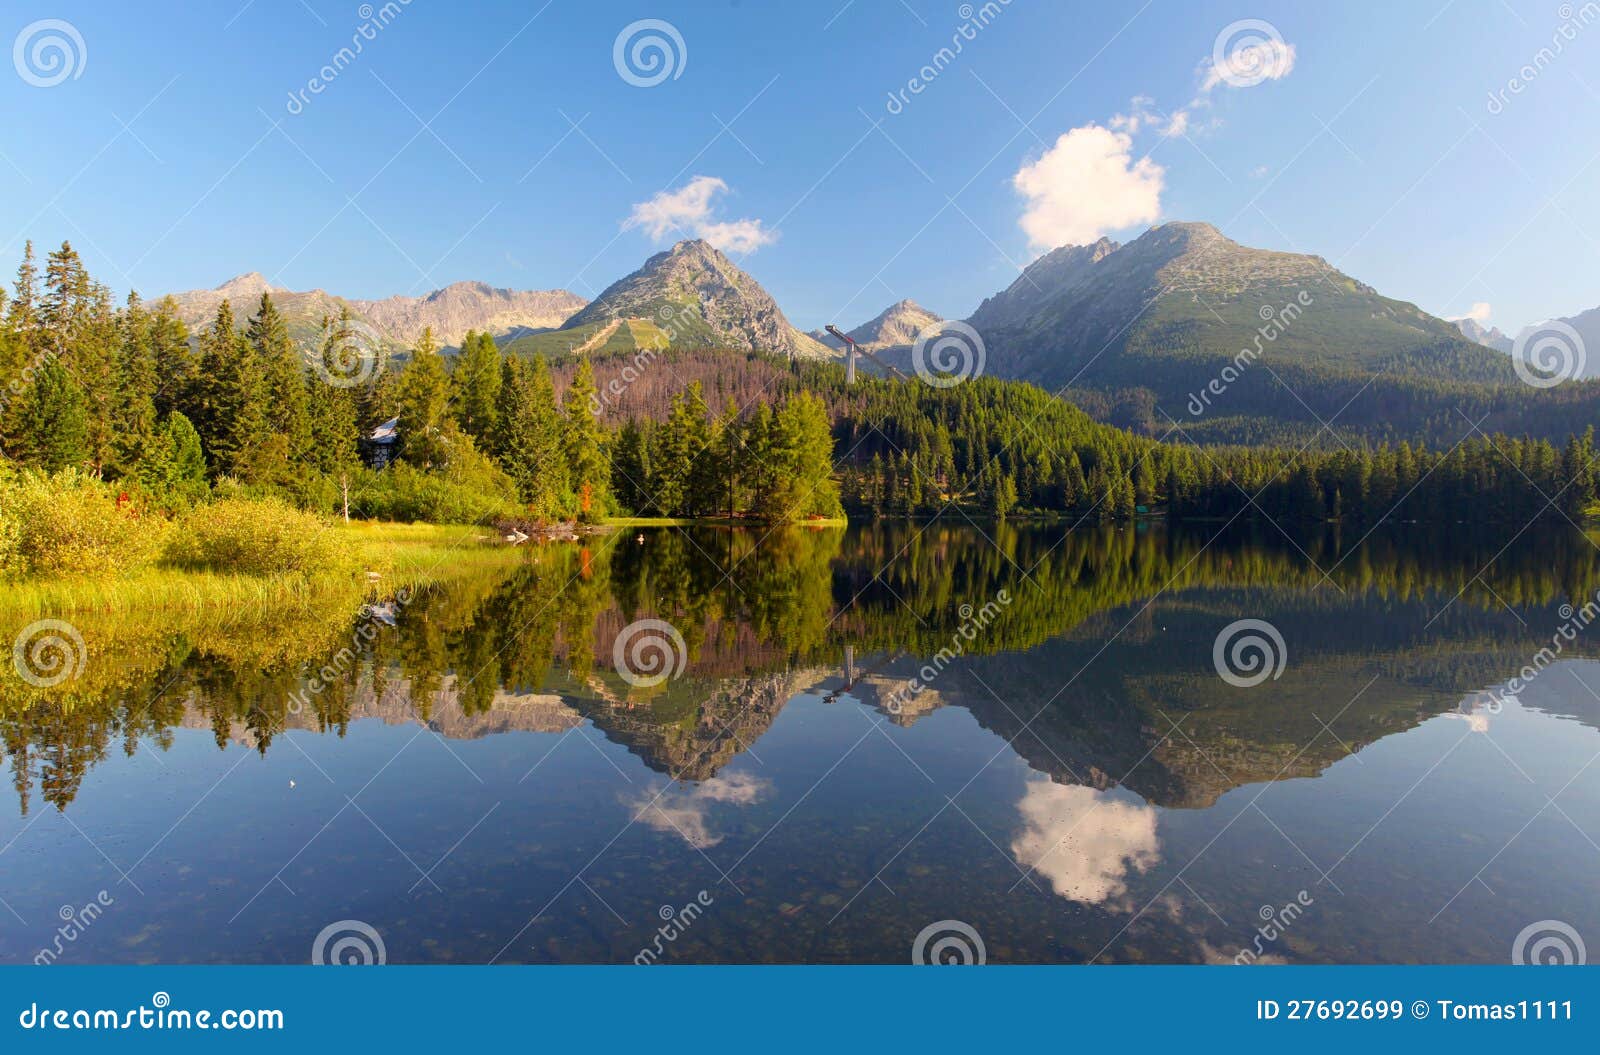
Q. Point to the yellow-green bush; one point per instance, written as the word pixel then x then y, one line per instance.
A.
pixel 260 537
pixel 71 524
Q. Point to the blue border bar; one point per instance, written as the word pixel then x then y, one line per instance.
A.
pixel 759 1009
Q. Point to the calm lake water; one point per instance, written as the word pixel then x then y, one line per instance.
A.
pixel 472 777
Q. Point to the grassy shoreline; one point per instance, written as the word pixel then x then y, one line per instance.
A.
pixel 392 556
pixel 632 522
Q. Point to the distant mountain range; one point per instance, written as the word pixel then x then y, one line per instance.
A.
pixel 1586 324
pixel 1136 334
pixel 451 311
pixel 1473 331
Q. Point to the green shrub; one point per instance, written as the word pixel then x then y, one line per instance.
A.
pixel 72 524
pixel 260 537
pixel 404 493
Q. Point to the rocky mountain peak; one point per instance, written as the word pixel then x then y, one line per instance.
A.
pixel 249 284
pixel 700 298
pixel 897 325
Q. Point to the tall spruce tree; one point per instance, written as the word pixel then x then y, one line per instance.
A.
pixel 589 470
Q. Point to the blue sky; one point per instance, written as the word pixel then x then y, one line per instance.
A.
pixel 447 149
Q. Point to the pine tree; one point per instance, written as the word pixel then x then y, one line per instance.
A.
pixel 1004 499
pixel 136 420
pixel 174 363
pixel 21 313
pixel 423 399
pixel 331 422
pixel 531 447
pixel 54 433
pixel 802 448
pixel 476 381
pixel 630 468
pixel 283 379
pixel 586 461
pixel 175 468
pixel 683 438
pixel 230 398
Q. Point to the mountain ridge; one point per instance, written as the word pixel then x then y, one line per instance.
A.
pixel 451 310
pixel 687 296
pixel 894 326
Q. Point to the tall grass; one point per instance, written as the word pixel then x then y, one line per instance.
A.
pixel 68 543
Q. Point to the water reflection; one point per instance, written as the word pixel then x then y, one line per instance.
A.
pixel 685 810
pixel 1086 842
pixel 1078 782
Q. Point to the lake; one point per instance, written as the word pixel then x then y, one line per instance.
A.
pixel 1020 743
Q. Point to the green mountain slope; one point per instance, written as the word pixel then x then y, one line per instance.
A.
pixel 1138 333
pixel 689 296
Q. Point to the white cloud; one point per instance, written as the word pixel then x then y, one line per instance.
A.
pixel 1480 312
pixel 738 236
pixel 1086 185
pixel 1086 842
pixel 1142 114
pixel 1247 61
pixel 686 812
pixel 686 212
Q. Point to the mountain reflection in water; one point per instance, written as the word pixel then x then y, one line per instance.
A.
pixel 480 782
